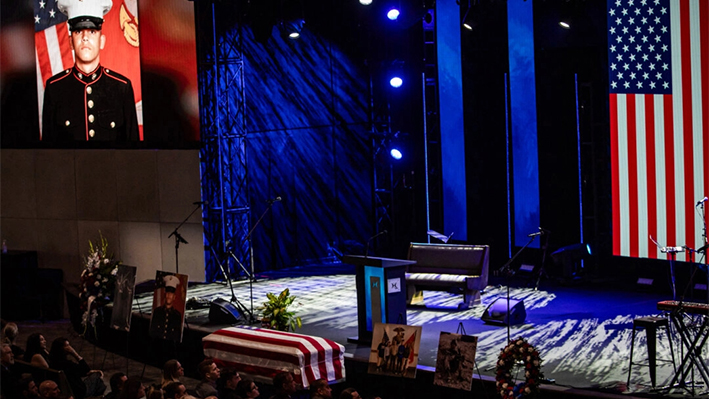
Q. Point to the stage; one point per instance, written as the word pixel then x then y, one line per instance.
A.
pixel 583 332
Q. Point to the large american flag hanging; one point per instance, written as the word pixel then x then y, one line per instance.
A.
pixel 51 42
pixel 658 56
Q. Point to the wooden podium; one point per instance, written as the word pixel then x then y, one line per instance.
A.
pixel 381 292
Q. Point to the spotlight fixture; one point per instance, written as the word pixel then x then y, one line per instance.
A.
pixel 394 73
pixel 564 24
pixel 467 19
pixel 292 28
pixel 365 2
pixel 396 82
pixel 393 14
pixel 396 153
pixel 396 144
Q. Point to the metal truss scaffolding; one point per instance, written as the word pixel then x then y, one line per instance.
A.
pixel 223 160
pixel 382 173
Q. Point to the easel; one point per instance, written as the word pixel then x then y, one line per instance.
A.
pixel 461 331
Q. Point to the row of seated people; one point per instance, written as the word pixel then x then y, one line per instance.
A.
pixel 226 383
pixel 83 382
pixel 60 357
pixel 16 385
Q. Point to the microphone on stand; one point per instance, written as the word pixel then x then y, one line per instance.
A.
pixel 539 233
pixel 366 252
pixel 701 201
pixel 277 199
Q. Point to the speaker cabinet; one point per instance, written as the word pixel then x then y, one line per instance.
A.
pixel 223 312
pixel 496 313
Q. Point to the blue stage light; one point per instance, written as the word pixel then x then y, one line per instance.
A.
pixel 395 153
pixel 393 14
pixel 291 28
pixel 396 82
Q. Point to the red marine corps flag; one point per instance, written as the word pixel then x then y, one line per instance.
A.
pixel 121 53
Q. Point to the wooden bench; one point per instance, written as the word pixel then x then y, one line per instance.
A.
pixel 447 267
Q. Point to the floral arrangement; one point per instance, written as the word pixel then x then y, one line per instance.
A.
pixel 98 280
pixel 518 350
pixel 275 313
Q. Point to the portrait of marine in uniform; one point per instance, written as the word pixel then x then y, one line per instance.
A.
pixel 168 306
pixel 88 102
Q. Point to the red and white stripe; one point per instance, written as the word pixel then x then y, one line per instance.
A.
pixel 53 54
pixel 262 352
pixel 660 146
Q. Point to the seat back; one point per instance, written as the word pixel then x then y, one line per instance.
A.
pixel 40 374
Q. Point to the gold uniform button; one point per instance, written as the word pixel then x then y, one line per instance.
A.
pixel 67 123
pixel 90 103
pixel 113 124
pixel 91 118
pixel 89 89
pixel 92 133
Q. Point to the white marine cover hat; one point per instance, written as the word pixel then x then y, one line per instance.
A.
pixel 171 282
pixel 85 14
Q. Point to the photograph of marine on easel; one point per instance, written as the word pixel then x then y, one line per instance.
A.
pixel 123 297
pixel 168 314
pixel 455 360
pixel 395 350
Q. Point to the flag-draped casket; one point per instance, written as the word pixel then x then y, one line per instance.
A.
pixel 262 353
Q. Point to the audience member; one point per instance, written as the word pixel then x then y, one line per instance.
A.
pixel 8 377
pixel 36 350
pixel 247 389
pixel 132 389
pixel 285 385
pixel 59 355
pixel 27 388
pixel 227 382
pixel 210 374
pixel 174 390
pixel 320 389
pixel 49 390
pixel 116 382
pixel 154 392
pixel 351 393
pixel 171 372
pixel 9 335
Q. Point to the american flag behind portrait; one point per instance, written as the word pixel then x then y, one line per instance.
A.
pixel 658 56
pixel 122 52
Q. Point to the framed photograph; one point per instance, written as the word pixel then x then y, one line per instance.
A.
pixel 123 297
pixel 169 300
pixel 455 361
pixel 395 350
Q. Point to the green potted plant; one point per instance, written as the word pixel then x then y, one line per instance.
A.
pixel 275 313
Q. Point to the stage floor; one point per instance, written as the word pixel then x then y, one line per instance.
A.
pixel 583 333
